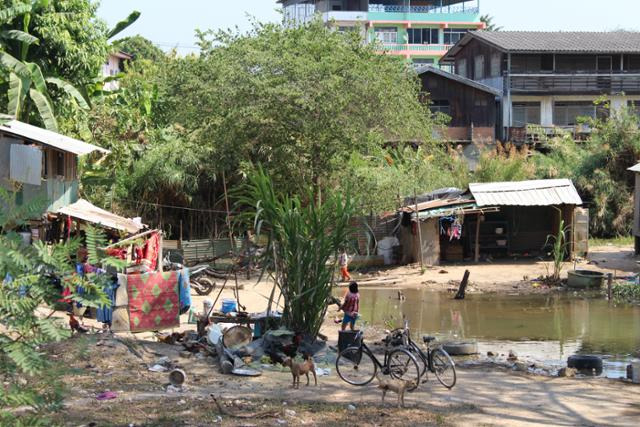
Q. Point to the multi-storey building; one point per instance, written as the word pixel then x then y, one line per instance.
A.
pixel 552 79
pixel 420 30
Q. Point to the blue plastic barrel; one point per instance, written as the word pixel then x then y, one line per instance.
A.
pixel 228 305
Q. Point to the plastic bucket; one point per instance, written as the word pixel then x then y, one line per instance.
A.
pixel 228 306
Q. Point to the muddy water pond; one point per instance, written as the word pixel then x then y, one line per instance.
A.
pixel 545 329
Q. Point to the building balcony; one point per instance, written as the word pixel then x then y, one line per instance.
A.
pixel 575 83
pixel 464 7
pixel 462 12
pixel 413 49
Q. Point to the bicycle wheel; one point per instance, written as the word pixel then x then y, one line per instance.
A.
pixel 421 358
pixel 403 365
pixel 443 367
pixel 356 366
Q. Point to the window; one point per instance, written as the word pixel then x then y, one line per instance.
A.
pixel 575 64
pixel 387 34
pixel 568 113
pixel 440 106
pixel 423 35
pixel 478 67
pixel 496 65
pixel 419 62
pixel 461 67
pixel 632 63
pixel 58 163
pixel 526 113
pixel 605 64
pixel 526 63
pixel 481 102
pixel 546 63
pixel 447 67
pixel 453 35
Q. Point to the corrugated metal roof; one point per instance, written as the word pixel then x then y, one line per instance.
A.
pixel 546 192
pixel 87 212
pixel 563 41
pixel 433 204
pixel 47 137
pixel 635 168
pixel 425 69
pixel 570 42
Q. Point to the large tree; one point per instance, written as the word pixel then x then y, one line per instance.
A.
pixel 297 100
pixel 140 48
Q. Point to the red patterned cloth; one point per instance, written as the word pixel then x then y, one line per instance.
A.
pixel 154 302
pixel 151 249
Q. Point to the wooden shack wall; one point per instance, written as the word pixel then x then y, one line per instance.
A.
pixel 469 53
pixel 467 105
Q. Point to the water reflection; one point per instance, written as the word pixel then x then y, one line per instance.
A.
pixel 548 328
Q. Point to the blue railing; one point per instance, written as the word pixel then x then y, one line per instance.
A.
pixel 459 8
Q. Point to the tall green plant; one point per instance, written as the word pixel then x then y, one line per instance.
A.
pixel 558 250
pixel 303 242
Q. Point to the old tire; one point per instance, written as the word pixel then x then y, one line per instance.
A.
pixel 460 348
pixel 204 286
pixel 585 364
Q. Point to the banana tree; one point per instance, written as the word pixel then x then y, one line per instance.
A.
pixel 28 88
pixel 27 84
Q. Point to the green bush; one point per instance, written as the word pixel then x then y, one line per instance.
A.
pixel 626 292
pixel 27 319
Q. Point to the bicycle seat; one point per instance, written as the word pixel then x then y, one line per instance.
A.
pixel 427 339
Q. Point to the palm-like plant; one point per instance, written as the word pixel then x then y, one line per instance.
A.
pixel 27 84
pixel 28 88
pixel 303 241
pixel 489 24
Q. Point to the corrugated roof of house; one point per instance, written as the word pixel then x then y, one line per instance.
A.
pixel 47 137
pixel 455 77
pixel 613 42
pixel 547 192
pixel 563 41
pixel 85 211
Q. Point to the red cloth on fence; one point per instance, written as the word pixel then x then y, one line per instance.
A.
pixel 154 302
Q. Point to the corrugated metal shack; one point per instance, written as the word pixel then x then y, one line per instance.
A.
pixel 494 220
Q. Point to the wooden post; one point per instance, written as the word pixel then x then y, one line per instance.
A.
pixel 463 285
pixel 609 286
pixel 180 242
pixel 477 248
pixel 415 195
pixel 161 252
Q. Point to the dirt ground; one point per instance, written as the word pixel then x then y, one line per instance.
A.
pixel 484 395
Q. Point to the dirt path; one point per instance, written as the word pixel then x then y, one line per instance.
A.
pixel 482 397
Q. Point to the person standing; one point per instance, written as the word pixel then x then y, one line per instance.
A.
pixel 351 306
pixel 343 260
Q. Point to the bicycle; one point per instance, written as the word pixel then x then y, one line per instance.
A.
pixel 436 360
pixel 357 365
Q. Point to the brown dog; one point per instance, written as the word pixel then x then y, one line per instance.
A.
pixel 396 385
pixel 299 369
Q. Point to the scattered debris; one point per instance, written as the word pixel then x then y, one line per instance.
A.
pixel 512 356
pixel 107 395
pixel 351 407
pixel 567 372
pixel 264 414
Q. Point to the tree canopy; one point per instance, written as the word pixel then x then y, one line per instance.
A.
pixel 140 48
